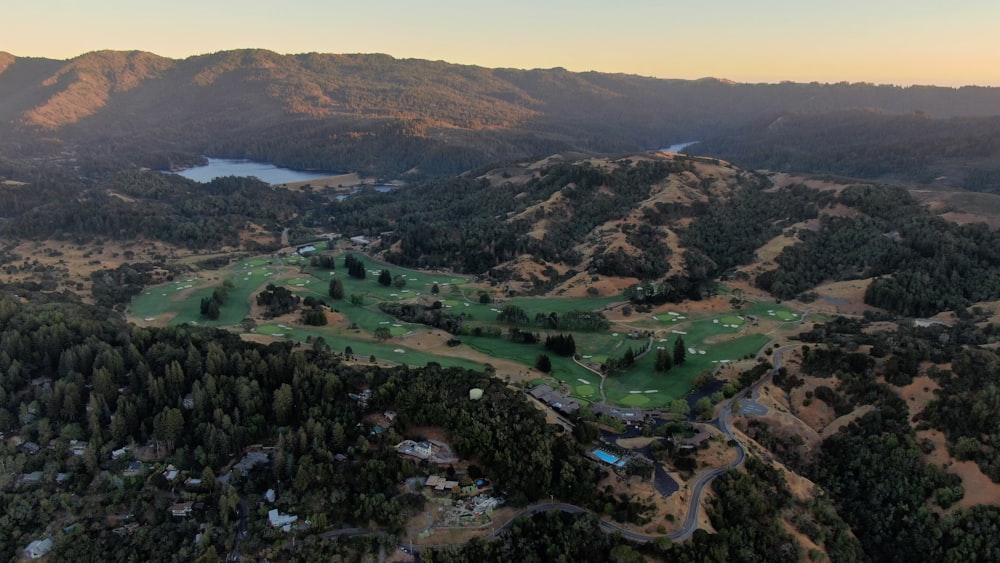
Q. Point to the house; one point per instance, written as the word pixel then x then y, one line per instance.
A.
pixel 171 473
pixel 191 482
pixel 134 468
pixel 250 461
pixel 421 450
pixel 77 447
pixel 361 241
pixel 188 402
pixel 30 448
pixel 119 452
pixel 181 510
pixel 554 399
pixel 279 520
pixel 635 416
pixel 440 484
pixel 32 478
pixel 38 548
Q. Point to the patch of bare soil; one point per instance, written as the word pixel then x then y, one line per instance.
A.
pixel 920 392
pixel 335 181
pixel 814 412
pixel 979 489
pixel 69 266
pixel 782 179
pixel 843 421
pixel 435 342
pixel 845 297
pixel 580 285
pixel 785 426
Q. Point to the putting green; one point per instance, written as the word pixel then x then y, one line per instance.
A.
pixel 731 320
pixel 634 400
pixel 585 390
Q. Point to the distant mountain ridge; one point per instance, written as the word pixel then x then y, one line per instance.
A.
pixel 386 116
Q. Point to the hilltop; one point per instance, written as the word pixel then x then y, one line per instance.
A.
pixel 388 117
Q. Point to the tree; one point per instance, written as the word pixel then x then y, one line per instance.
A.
pixel 702 379
pixel 543 363
pixel 704 407
pixel 485 298
pixel 284 401
pixel 435 289
pixel 209 308
pixel 336 288
pixel 382 333
pixel 385 278
pixel 680 407
pixel 679 351
pixel 399 282
pixel 663 360
pixel 629 358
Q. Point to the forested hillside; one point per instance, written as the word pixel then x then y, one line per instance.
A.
pixel 387 117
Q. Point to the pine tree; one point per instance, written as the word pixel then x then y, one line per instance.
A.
pixel 543 363
pixel 336 288
pixel 679 351
pixel 663 360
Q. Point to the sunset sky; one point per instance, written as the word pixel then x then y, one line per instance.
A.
pixel 882 41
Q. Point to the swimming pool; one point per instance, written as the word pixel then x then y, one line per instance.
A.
pixel 609 458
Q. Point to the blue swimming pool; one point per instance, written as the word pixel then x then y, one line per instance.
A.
pixel 608 458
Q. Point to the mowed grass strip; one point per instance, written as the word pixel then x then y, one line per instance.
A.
pixel 363 349
pixel 676 382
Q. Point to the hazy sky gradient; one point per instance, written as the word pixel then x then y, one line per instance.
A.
pixel 881 41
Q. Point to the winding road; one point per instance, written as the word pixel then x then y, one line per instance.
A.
pixel 690 524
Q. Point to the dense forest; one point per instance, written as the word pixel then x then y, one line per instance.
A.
pixel 388 117
pixel 866 143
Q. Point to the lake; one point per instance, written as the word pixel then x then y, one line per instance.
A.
pixel 679 146
pixel 219 167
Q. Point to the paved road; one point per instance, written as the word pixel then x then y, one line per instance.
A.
pixel 690 524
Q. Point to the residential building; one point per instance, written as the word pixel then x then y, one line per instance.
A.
pixel 181 510
pixel 38 548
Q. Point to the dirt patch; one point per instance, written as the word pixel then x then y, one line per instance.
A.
pixel 979 489
pixel 812 411
pixel 69 266
pixel 435 342
pixel 430 433
pixel 845 297
pixel 848 418
pixel 335 181
pixel 920 392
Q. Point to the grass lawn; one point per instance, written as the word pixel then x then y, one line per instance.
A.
pixel 638 386
pixel 643 386
pixel 248 278
pixel 563 369
pixel 363 349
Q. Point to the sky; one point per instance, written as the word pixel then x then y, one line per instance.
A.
pixel 900 42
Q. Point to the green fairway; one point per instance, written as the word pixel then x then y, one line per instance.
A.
pixel 709 340
pixel 642 385
pixel 362 349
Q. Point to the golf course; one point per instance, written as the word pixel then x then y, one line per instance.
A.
pixel 356 324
